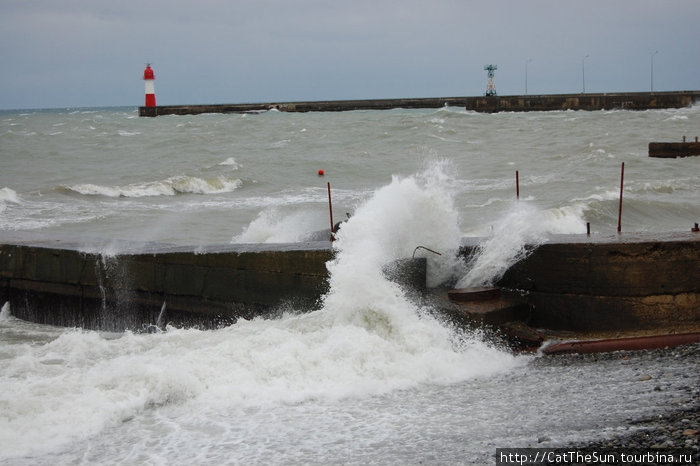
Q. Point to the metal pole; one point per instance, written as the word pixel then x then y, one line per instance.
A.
pixel 652 70
pixel 619 212
pixel 528 61
pixel 583 73
pixel 517 185
pixel 330 208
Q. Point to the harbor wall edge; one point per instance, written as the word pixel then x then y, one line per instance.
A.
pixel 583 284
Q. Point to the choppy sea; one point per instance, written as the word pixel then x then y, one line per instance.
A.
pixel 370 377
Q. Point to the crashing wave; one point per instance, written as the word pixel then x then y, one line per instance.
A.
pixel 168 187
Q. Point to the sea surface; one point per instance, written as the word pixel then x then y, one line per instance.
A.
pixel 372 377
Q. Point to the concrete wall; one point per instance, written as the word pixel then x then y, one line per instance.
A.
pixel 671 150
pixel 621 282
pixel 607 101
pixel 73 288
pixel 516 103
pixel 578 283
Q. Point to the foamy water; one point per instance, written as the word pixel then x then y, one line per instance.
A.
pixel 304 390
pixel 367 341
pixel 371 377
pixel 168 187
pixel 205 179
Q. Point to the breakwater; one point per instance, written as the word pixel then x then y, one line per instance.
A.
pixel 576 283
pixel 66 284
pixel 622 282
pixel 672 150
pixel 487 104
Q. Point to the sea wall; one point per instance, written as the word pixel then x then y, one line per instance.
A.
pixel 622 282
pixel 672 150
pixel 576 283
pixel 488 104
pixel 207 287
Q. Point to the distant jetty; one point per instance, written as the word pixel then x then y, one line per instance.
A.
pixel 671 150
pixel 485 104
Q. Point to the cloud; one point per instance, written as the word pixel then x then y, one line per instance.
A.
pixel 92 53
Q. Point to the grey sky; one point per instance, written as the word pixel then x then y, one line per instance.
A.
pixel 72 53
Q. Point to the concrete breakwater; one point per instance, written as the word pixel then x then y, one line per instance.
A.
pixel 672 150
pixel 486 104
pixel 575 283
pixel 620 282
pixel 63 284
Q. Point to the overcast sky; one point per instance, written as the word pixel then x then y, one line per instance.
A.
pixel 86 53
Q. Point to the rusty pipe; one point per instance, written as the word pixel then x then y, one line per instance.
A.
pixel 622 344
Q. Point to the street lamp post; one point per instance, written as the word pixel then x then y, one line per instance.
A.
pixel 583 73
pixel 528 61
pixel 652 70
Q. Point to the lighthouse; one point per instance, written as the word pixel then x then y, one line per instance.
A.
pixel 148 78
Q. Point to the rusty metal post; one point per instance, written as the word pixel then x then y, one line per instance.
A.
pixel 517 185
pixel 619 212
pixel 330 209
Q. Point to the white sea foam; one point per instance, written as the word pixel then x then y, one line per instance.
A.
pixel 410 212
pixel 273 226
pixel 168 187
pixel 230 162
pixel 5 312
pixel 94 383
pixel 121 132
pixel 520 230
pixel 8 195
pixel 367 339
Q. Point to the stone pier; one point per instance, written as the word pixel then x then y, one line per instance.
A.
pixel 626 282
pixel 486 104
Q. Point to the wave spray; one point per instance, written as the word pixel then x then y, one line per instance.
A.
pixel 367 340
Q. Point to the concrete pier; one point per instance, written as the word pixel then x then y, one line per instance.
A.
pixel 625 282
pixel 671 150
pixel 66 284
pixel 487 104
pixel 579 283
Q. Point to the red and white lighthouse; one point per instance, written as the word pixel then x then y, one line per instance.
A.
pixel 148 78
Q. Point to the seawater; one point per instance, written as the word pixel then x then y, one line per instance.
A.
pixel 371 377
pixel 215 178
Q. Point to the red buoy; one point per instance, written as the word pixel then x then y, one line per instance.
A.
pixel 148 78
pixel 321 173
